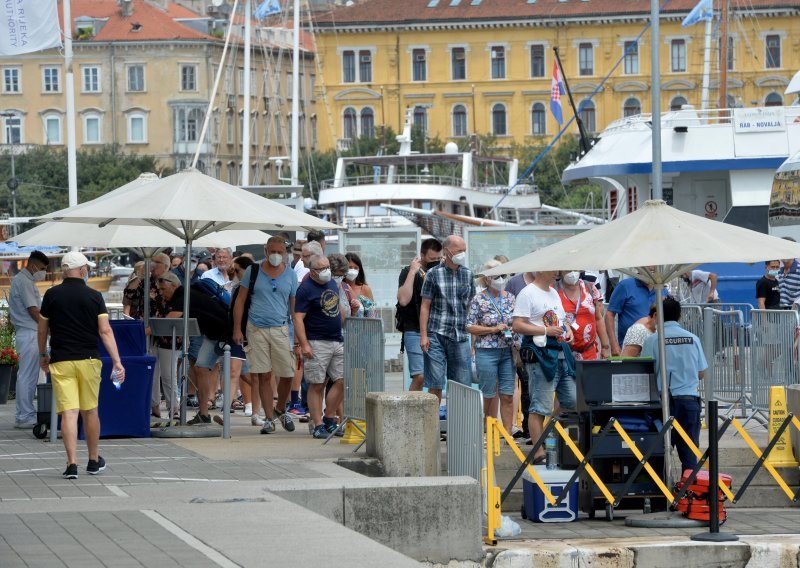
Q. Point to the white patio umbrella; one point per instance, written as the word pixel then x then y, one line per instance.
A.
pixel 668 241
pixel 189 205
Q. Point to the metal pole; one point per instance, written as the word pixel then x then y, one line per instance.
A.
pixel 146 291
pixel 713 534
pixel 708 348
pixel 187 280
pixel 296 95
pixel 69 88
pixel 226 393
pixel 662 372
pixel 655 39
pixel 246 88
pixel 13 187
pixel 173 378
pixel 53 415
pixel 706 66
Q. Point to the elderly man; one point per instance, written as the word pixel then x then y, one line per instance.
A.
pixel 446 294
pixel 212 318
pixel 23 306
pixel 73 315
pixel 269 306
pixel 318 320
pixel 219 274
pixel 309 249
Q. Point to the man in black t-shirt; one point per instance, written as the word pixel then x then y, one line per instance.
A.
pixel 409 300
pixel 768 292
pixel 73 315
pixel 212 319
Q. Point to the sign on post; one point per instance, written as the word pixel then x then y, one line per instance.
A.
pixel 781 455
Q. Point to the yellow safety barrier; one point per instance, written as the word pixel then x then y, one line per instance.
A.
pixel 759 454
pixel 698 454
pixel 589 469
pixel 639 456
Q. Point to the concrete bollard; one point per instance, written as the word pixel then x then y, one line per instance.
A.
pixel 793 406
pixel 403 433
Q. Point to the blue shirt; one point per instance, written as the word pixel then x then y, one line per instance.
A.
pixel 631 301
pixel 450 292
pixel 269 304
pixel 685 359
pixel 320 304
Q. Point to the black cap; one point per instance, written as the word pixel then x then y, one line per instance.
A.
pixel 318 236
pixel 39 256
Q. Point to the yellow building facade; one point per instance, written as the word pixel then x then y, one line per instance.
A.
pixel 490 73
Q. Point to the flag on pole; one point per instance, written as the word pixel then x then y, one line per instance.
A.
pixel 556 90
pixel 704 11
pixel 29 25
pixel 267 8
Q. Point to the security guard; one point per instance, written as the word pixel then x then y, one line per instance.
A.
pixel 686 363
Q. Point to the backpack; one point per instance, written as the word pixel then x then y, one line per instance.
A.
pixel 212 289
pixel 213 318
pixel 250 289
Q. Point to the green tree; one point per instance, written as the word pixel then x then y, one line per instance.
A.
pixel 42 173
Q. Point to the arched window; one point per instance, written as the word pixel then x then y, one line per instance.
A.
pixel 773 100
pixel 459 120
pixel 538 120
pixel 631 107
pixel 218 170
pixel 350 123
pixel 677 103
pixel 587 113
pixel 421 119
pixel 367 122
pixel 52 128
pixel 499 126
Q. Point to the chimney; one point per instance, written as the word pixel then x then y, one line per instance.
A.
pixel 126 8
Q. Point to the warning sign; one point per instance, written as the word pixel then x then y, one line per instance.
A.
pixel 711 209
pixel 781 454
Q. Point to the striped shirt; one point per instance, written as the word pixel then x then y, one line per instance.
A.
pixel 450 292
pixel 789 284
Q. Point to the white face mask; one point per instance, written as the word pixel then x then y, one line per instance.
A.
pixel 352 274
pixel 338 279
pixel 275 259
pixel 571 278
pixel 324 275
pixel 459 259
pixel 40 275
pixel 193 265
pixel 498 284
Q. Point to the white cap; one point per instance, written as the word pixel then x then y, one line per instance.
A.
pixel 75 259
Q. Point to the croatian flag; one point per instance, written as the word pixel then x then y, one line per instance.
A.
pixel 704 11
pixel 556 90
pixel 28 25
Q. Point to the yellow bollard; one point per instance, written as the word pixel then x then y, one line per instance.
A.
pixel 781 455
pixel 352 434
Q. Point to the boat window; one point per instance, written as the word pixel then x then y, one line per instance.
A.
pixel 425 205
pixel 377 210
pixel 355 210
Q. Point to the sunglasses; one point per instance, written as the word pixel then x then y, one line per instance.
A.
pixel 498 277
pixel 274 285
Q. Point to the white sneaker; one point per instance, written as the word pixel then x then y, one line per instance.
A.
pixel 256 420
pixel 248 409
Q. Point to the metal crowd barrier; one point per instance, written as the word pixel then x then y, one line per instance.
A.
pixel 363 368
pixel 773 360
pixel 692 319
pixel 465 436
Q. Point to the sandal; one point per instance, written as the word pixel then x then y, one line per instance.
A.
pixel 237 405
pixel 541 460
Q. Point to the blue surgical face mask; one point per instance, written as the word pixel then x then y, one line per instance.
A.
pixel 773 273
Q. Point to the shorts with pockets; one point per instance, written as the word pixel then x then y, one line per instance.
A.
pixel 541 390
pixel 268 350
pixel 76 384
pixel 327 361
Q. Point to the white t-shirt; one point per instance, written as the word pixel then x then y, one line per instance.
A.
pixel 699 287
pixel 300 270
pixel 542 308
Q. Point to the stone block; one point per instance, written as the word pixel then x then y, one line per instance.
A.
pixel 793 403
pixel 692 555
pixel 403 432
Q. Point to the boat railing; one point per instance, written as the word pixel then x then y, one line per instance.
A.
pixel 424 179
pixel 691 117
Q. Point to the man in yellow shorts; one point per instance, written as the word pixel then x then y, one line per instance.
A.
pixel 73 315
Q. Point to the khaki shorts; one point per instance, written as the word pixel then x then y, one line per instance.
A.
pixel 268 350
pixel 327 362
pixel 76 384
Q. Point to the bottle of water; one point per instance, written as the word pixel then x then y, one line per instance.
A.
pixel 551 451
pixel 117 383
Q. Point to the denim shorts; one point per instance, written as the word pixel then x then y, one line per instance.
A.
pixel 447 359
pixel 541 390
pixel 416 361
pixel 209 354
pixel 495 366
pixel 194 346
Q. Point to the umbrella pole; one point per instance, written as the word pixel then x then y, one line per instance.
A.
pixel 187 279
pixel 662 371
pixel 146 290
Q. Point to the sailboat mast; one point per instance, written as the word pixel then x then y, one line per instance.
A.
pixel 723 56
pixel 69 88
pixel 246 105
pixel 295 157
pixel 706 66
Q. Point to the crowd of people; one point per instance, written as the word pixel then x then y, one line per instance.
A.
pixel 517 336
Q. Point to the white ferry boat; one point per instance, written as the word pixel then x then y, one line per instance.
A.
pixel 389 191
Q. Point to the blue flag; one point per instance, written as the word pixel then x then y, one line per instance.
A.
pixel 704 11
pixel 267 8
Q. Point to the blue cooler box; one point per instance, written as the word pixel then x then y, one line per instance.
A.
pixel 537 508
